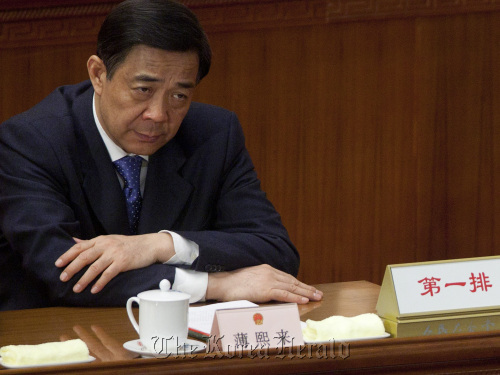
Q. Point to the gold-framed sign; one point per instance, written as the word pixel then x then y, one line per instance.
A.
pixel 441 297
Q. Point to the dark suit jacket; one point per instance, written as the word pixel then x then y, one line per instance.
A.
pixel 57 181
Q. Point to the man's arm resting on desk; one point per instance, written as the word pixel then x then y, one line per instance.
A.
pixel 260 284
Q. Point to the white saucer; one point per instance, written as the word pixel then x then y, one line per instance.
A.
pixel 190 347
pixel 89 359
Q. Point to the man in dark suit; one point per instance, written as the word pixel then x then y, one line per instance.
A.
pixel 193 211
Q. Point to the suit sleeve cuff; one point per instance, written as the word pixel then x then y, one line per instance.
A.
pixel 191 282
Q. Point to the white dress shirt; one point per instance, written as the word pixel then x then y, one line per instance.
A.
pixel 191 282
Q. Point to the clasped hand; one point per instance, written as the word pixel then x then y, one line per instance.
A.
pixel 109 255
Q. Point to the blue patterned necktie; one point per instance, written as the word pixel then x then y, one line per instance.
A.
pixel 129 167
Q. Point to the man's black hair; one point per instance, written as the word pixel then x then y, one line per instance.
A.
pixel 163 24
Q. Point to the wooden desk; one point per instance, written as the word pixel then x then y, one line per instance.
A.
pixel 106 329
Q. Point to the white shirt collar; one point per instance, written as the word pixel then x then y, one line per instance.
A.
pixel 115 151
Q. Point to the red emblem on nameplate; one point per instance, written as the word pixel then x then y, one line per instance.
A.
pixel 258 319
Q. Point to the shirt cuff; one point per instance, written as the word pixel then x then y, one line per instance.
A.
pixel 186 251
pixel 191 282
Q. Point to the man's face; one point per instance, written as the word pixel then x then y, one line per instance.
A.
pixel 141 108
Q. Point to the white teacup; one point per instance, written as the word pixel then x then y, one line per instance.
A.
pixel 163 320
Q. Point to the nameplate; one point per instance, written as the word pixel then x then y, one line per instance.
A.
pixel 275 326
pixel 440 287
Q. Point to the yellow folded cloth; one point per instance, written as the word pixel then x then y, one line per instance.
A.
pixel 50 352
pixel 341 327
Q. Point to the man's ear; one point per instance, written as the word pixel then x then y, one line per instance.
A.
pixel 97 73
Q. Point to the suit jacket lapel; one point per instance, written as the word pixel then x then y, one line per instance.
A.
pixel 99 181
pixel 166 192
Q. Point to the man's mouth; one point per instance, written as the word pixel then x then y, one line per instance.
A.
pixel 147 138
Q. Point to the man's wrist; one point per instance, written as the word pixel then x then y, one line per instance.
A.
pixel 215 287
pixel 164 246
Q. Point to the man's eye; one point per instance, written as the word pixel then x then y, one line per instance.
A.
pixel 143 89
pixel 180 96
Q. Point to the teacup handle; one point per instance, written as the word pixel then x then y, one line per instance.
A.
pixel 131 316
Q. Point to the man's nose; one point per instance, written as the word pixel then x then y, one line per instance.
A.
pixel 157 110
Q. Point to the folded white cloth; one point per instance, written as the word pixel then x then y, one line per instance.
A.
pixel 50 352
pixel 341 327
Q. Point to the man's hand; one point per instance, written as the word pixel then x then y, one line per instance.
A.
pixel 259 284
pixel 109 255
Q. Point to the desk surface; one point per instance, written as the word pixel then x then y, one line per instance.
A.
pixel 106 329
